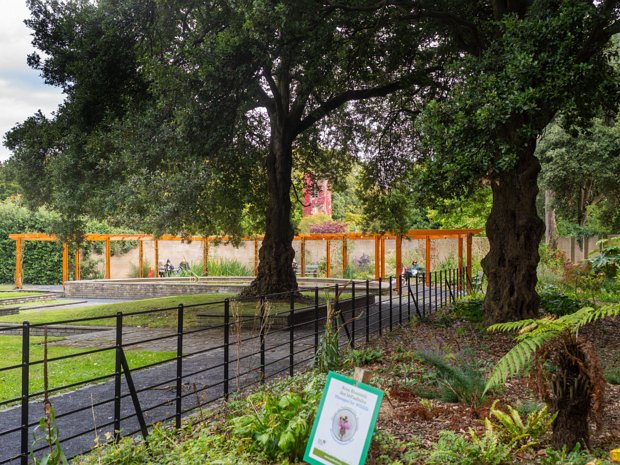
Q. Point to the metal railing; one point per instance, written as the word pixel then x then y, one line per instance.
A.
pixel 219 352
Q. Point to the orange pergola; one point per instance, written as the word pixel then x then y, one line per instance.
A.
pixel 427 235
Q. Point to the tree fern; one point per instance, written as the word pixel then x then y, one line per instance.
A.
pixel 533 334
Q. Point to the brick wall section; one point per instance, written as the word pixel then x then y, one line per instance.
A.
pixel 26 299
pixel 143 290
pixel 53 330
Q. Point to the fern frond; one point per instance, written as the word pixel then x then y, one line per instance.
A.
pixel 511 326
pixel 517 359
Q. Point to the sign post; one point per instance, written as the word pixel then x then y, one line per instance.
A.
pixel 344 423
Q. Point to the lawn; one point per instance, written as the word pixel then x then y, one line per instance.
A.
pixel 210 303
pixel 10 295
pixel 61 372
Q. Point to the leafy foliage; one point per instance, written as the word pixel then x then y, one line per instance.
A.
pixel 557 302
pixel 47 425
pixel 456 449
pixel 361 357
pixel 579 168
pixel 280 424
pixel 565 370
pixel 514 432
pixel 459 383
pixel 42 261
pixel 608 259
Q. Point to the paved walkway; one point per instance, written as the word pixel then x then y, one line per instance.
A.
pixel 87 413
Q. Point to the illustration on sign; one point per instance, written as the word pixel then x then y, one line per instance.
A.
pixel 344 423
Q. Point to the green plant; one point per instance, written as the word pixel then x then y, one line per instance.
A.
pixel 224 267
pixel 558 303
pixel 526 407
pixel 135 269
pixel 457 449
pixel 608 259
pixel 612 375
pixel 48 426
pixel 517 434
pixel 328 356
pixel 565 370
pixel 464 383
pixel 576 456
pixel 470 308
pixel 279 425
pixel 361 357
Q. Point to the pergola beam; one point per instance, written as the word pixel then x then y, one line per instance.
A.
pixel 421 234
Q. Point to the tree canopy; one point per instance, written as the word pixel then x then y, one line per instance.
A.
pixel 185 115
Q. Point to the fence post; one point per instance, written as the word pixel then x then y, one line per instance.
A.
pixel 316 319
pixel 352 314
pixel 380 313
pixel 400 299
pixel 409 298
pixel 262 339
pixel 117 377
pixel 291 358
pixel 390 307
pixel 179 399
pixel 25 440
pixel 367 311
pixel 226 344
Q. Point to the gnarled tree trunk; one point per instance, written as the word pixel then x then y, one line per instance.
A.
pixel 514 231
pixel 275 268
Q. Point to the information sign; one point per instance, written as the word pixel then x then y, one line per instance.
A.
pixel 344 423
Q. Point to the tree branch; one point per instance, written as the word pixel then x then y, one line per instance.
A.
pixel 348 96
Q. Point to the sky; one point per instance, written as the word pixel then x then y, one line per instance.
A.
pixel 22 90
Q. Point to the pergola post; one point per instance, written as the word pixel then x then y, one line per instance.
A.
pixel 460 259
pixel 108 258
pixel 344 256
pixel 428 261
pixel 383 257
pixel 469 260
pixel 328 251
pixel 77 264
pixel 65 263
pixel 302 259
pixel 205 256
pixel 156 251
pixel 377 256
pixel 18 264
pixel 255 256
pixel 399 260
pixel 140 259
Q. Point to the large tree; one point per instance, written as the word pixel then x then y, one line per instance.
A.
pixel 520 63
pixel 207 101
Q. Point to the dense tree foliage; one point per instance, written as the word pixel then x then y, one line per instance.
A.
pixel 520 63
pixel 183 115
pixel 582 171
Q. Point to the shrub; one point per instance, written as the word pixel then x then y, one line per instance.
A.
pixel 457 383
pixel 556 302
pixel 457 449
pixel 328 227
pixel 224 267
pixel 363 357
pixel 280 424
pixel 608 259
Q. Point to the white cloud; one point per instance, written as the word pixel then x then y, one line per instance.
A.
pixel 22 90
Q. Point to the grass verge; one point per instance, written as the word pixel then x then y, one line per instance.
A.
pixel 61 372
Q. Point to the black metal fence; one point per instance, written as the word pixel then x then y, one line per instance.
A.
pixel 215 349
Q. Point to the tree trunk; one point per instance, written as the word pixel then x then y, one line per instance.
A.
pixel 572 400
pixel 275 268
pixel 514 231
